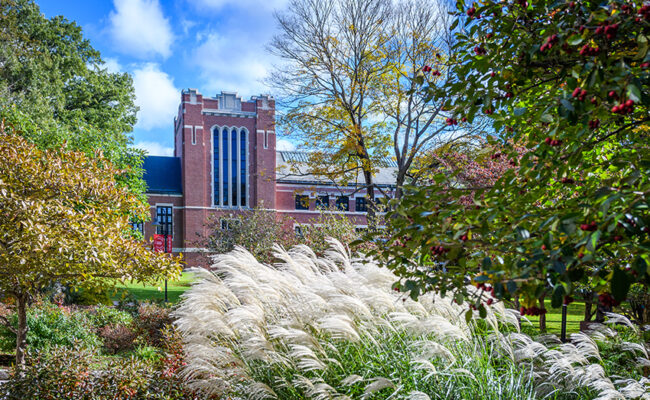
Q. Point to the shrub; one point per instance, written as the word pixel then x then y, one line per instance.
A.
pixel 147 353
pixel 334 328
pixel 102 316
pixel 65 373
pixel 150 322
pixel 59 373
pixel 87 296
pixel 51 325
pixel 256 230
pixel 327 225
pixel 117 338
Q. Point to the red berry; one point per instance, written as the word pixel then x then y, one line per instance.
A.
pixel 629 103
pixel 612 94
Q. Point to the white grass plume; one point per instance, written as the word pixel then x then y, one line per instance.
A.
pixel 325 328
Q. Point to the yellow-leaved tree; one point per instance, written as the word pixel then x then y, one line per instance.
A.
pixel 63 218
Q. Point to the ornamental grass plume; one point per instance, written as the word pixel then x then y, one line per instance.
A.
pixel 333 328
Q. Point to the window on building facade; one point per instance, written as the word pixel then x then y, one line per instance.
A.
pixel 230 167
pixel 138 226
pixel 228 224
pixel 323 201
pixel 302 202
pixel 300 230
pixel 164 219
pixel 343 203
pixel 361 204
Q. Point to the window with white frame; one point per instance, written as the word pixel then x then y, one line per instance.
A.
pixel 343 203
pixel 164 218
pixel 228 224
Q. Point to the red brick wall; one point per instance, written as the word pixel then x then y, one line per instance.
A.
pixel 193 209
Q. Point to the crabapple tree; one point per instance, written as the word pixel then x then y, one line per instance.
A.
pixel 569 81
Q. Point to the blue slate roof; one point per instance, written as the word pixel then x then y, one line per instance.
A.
pixel 163 175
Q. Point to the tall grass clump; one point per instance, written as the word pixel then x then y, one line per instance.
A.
pixel 332 328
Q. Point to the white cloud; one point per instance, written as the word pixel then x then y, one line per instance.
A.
pixel 155 148
pixel 156 96
pixel 235 63
pixel 139 28
pixel 112 65
pixel 218 4
pixel 284 145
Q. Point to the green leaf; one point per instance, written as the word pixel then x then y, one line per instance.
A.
pixel 620 285
pixel 548 118
pixel 567 104
pixel 482 312
pixel 633 93
pixel 468 316
pixel 558 296
pixel 520 111
pixel 575 40
pixel 642 42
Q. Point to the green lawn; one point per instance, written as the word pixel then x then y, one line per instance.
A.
pixel 176 288
pixel 575 314
pixel 157 292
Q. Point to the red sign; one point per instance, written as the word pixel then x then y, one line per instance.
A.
pixel 159 243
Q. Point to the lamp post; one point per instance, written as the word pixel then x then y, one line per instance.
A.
pixel 163 228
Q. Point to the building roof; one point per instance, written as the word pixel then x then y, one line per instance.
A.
pixel 163 175
pixel 289 171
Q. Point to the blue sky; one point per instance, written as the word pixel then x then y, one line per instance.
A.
pixel 168 45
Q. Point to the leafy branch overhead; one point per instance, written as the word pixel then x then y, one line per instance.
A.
pixel 568 81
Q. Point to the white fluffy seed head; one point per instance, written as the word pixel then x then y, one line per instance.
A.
pixel 292 316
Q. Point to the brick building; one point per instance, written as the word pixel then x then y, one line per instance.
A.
pixel 225 160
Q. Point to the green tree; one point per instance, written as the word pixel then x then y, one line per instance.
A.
pixel 329 50
pixel 63 218
pixel 569 81
pixel 52 79
pixel 351 87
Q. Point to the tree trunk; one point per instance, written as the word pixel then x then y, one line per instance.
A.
pixel 588 308
pixel 542 315
pixel 399 182
pixel 21 332
pixel 517 305
pixel 601 309
pixel 372 206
